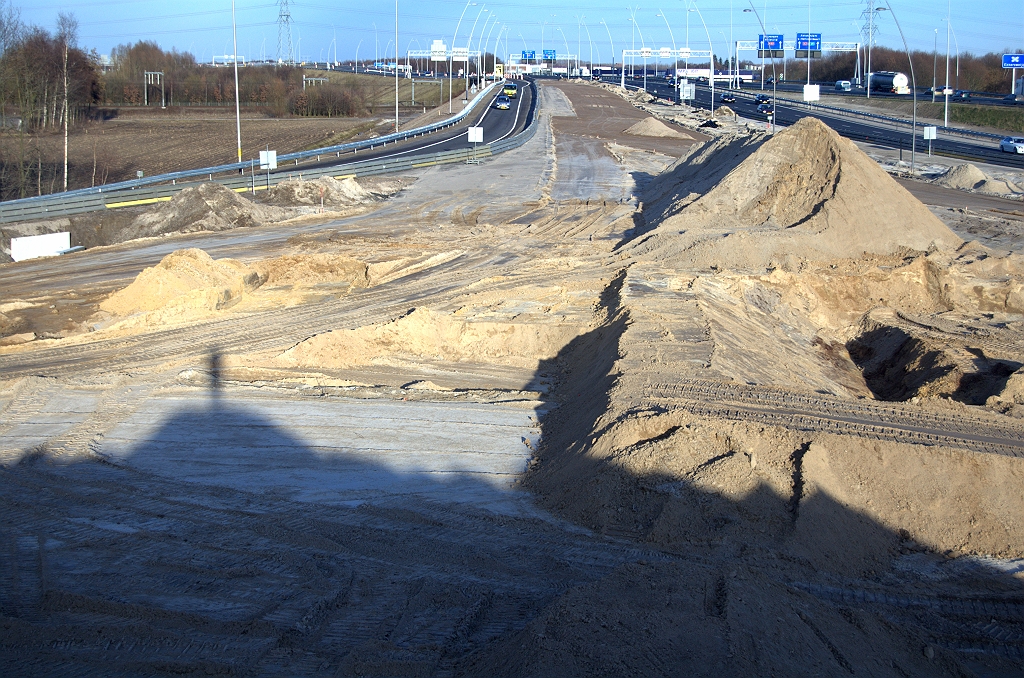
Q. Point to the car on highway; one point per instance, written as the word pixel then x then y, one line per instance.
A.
pixel 510 90
pixel 762 99
pixel 727 98
pixel 765 109
pixel 1012 145
pixel 502 102
pixel 1014 99
pixel 961 95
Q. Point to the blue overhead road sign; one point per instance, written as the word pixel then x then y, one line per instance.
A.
pixel 811 41
pixel 549 55
pixel 770 41
pixel 529 54
pixel 1013 61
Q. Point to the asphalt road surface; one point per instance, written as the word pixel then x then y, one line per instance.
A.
pixel 881 133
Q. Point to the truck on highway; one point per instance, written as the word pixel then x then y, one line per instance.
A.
pixel 889 81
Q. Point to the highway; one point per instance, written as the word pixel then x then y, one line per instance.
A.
pixel 497 124
pixel 881 133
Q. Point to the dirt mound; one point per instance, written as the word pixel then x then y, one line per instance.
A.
pixel 333 192
pixel 652 127
pixel 206 207
pixel 963 177
pixel 803 193
pixel 967 177
pixel 187 280
pixel 435 336
pixel 312 269
pixel 725 111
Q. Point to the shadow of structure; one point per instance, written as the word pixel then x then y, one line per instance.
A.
pixel 224 543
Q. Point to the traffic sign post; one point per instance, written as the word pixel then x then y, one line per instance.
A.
pixel 930 135
pixel 476 136
pixel 1013 61
pixel 268 161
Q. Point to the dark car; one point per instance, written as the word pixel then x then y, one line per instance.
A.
pixel 1014 99
pixel 762 98
pixel 502 102
pixel 727 98
pixel 961 95
pixel 765 109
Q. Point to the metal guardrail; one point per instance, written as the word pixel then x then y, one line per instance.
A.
pixel 12 206
pixel 66 204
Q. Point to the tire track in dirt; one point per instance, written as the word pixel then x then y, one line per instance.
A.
pixel 818 413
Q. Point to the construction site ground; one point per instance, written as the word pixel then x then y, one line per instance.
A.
pixel 583 409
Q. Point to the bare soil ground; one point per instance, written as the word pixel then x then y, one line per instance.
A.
pixel 586 409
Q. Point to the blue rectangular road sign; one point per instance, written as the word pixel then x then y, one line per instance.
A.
pixel 549 54
pixel 1013 61
pixel 811 41
pixel 529 54
pixel 771 41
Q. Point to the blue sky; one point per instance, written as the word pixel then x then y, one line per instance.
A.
pixel 319 27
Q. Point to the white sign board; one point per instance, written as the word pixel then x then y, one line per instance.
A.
pixel 476 135
pixel 268 160
pixel 34 246
pixel 688 92
pixel 812 92
pixel 683 53
pixel 929 132
pixel 646 52
pixel 438 51
pixel 664 52
pixel 460 54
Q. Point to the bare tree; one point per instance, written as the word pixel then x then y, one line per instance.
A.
pixel 67 34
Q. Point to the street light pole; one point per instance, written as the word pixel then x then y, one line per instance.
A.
pixel 451 60
pixel 396 65
pixel 234 59
pixel 612 44
pixel 775 79
pixel 945 88
pixel 913 129
pixel 469 46
pixel 935 60
pixel 675 64
pixel 712 59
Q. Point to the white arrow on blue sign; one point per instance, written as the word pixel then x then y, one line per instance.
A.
pixel 1013 61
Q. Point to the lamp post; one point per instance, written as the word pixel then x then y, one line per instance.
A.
pixel 611 43
pixel 632 59
pixel 775 79
pixel 935 62
pixel 451 59
pixel 559 29
pixel 488 42
pixel 376 47
pixel 591 41
pixel 675 64
pixel 913 129
pixel 357 55
pixel 956 46
pixel 711 49
pixel 238 114
pixel 396 65
pixel 945 88
pixel 469 45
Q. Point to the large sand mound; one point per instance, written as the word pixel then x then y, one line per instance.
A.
pixel 652 127
pixel 206 207
pixel 187 279
pixel 804 193
pixel 426 334
pixel 334 193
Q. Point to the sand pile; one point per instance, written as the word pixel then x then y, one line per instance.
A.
pixel 306 269
pixel 184 283
pixel 652 127
pixel 334 192
pixel 805 193
pixel 967 177
pixel 206 207
pixel 426 334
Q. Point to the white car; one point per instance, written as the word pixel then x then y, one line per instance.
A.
pixel 1012 145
